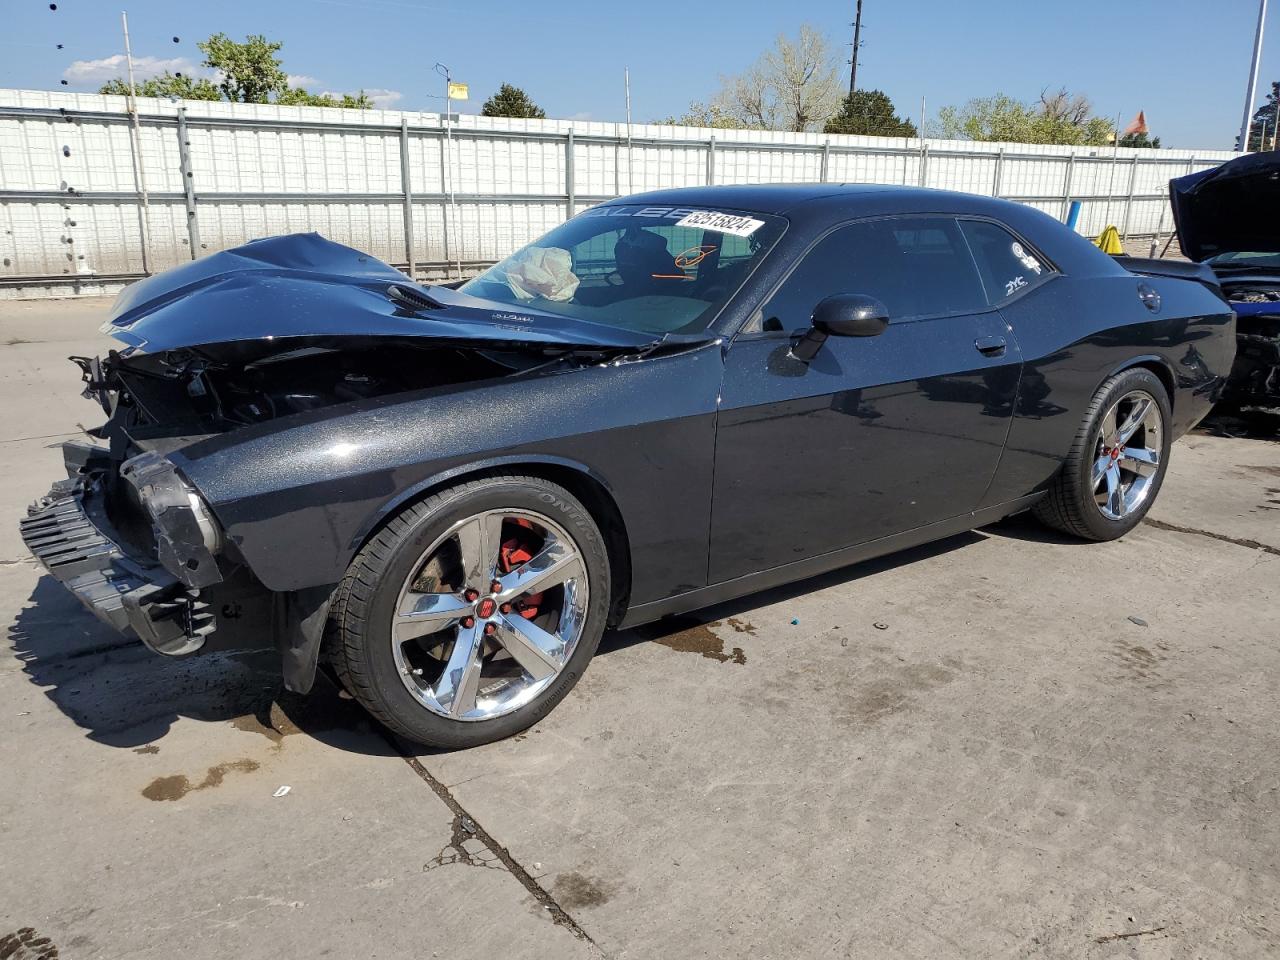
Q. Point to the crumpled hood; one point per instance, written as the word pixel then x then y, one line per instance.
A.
pixel 304 287
pixel 1229 209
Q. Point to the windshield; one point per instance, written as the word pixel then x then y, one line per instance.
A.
pixel 645 269
pixel 1268 261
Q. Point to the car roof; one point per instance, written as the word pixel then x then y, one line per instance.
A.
pixel 781 198
pixel 812 208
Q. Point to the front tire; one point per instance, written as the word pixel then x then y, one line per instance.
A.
pixel 1117 462
pixel 473 612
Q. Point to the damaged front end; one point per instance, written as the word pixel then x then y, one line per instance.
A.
pixel 159 578
pixel 1226 218
pixel 275 334
pixel 1254 383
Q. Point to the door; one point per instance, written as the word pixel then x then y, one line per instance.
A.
pixel 875 435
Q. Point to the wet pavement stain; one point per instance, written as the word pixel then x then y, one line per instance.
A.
pixel 150 748
pixel 26 944
pixel 275 726
pixel 178 786
pixel 455 851
pixel 742 626
pixel 1140 663
pixel 894 693
pixel 695 637
pixel 575 890
pixel 324 709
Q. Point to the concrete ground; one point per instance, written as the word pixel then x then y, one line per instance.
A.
pixel 1004 744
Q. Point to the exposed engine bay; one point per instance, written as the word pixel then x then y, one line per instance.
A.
pixel 188 392
pixel 1254 385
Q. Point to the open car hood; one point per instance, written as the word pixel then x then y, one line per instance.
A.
pixel 304 287
pixel 1229 209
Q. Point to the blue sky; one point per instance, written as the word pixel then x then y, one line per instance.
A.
pixel 1182 61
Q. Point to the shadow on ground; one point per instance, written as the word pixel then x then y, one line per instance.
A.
pixel 620 640
pixel 125 696
pixel 1256 424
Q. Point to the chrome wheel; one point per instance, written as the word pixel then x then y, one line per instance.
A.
pixel 490 614
pixel 1127 455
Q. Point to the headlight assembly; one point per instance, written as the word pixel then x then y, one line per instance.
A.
pixel 187 535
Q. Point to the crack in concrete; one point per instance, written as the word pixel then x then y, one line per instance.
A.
pixel 465 827
pixel 1111 938
pixel 1238 541
pixel 43 436
pixel 455 851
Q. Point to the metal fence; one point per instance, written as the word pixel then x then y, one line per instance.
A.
pixel 83 212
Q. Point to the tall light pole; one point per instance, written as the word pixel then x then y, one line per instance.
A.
pixel 139 170
pixel 1253 77
pixel 858 40
pixel 443 70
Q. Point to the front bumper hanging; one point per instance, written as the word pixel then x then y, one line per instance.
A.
pixel 69 532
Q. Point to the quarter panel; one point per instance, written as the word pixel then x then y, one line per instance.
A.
pixel 297 496
pixel 1075 333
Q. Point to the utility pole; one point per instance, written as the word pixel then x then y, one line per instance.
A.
pixel 857 42
pixel 1253 78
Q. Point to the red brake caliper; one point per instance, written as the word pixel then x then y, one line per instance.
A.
pixel 515 552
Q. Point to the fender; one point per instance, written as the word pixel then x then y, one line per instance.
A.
pixel 483 465
pixel 1143 361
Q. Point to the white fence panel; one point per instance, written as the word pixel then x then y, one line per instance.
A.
pixel 393 184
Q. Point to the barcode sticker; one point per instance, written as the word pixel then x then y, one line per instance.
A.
pixel 732 223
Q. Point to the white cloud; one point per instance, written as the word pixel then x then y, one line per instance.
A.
pixel 384 99
pixel 300 80
pixel 93 72
pixel 584 116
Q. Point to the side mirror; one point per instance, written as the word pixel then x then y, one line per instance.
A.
pixel 843 315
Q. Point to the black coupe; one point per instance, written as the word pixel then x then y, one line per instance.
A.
pixel 670 400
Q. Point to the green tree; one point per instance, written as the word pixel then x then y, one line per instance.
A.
pixel 707 115
pixel 1140 140
pixel 250 71
pixel 164 86
pixel 299 97
pixel 1264 118
pixel 869 113
pixel 1058 118
pixel 511 101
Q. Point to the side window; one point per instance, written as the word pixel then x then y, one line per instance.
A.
pixel 1007 265
pixel 916 266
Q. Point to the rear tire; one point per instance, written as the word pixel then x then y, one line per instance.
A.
pixel 1117 462
pixel 473 612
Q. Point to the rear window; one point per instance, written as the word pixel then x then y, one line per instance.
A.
pixel 1007 266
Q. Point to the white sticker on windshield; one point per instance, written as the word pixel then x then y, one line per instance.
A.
pixel 730 223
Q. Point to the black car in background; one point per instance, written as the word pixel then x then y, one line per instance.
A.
pixel 1228 218
pixel 668 401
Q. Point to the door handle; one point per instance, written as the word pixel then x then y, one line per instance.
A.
pixel 991 346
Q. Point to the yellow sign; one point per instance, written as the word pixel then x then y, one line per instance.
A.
pixel 458 91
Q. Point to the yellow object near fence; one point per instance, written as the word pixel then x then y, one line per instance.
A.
pixel 1109 241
